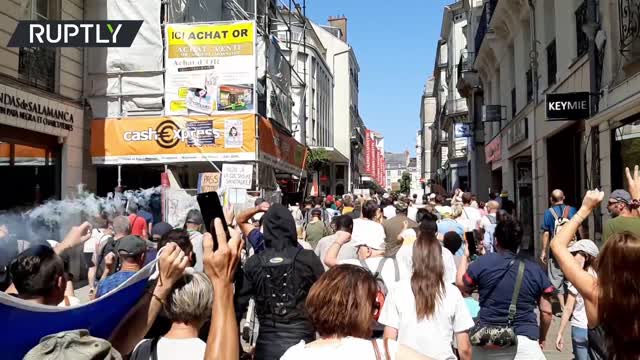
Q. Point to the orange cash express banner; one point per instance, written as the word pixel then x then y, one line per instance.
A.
pixel 280 150
pixel 173 139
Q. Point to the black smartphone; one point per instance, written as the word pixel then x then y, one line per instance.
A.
pixel 211 208
pixel 471 243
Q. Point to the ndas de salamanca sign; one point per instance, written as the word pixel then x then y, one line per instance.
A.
pixel 569 106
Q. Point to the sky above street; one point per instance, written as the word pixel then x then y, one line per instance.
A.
pixel 395 46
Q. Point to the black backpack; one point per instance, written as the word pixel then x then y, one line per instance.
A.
pixel 147 350
pixel 280 291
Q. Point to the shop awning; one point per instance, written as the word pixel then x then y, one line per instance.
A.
pixel 280 150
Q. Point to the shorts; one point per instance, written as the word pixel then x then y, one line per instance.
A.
pixel 526 349
pixel 88 259
pixel 556 276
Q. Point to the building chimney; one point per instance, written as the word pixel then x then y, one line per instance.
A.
pixel 340 22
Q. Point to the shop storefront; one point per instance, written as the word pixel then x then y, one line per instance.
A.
pixel 41 147
pixel 625 144
pixel 134 151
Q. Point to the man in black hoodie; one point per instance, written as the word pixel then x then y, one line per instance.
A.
pixel 279 279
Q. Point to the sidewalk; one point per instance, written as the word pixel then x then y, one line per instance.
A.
pixel 550 347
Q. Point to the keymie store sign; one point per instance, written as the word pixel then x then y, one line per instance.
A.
pixel 569 106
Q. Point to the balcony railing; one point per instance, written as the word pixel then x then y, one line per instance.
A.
pixel 483 25
pixel 581 37
pixel 629 13
pixel 466 62
pixel 37 66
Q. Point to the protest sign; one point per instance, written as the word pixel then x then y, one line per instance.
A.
pixel 208 182
pixel 235 176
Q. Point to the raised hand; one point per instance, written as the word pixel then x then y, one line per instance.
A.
pixel 342 237
pixel 172 263
pixel 634 182
pixel 221 265
pixel 264 207
pixel 76 236
pixel 228 213
pixel 592 199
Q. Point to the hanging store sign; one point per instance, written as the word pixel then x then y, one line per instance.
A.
pixel 569 106
pixel 210 68
pixel 173 139
pixel 493 150
pixel 25 110
pixel 517 132
pixel 492 113
pixel 462 131
pixel 280 150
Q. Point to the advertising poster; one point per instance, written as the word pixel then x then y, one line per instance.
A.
pixel 210 68
pixel 173 139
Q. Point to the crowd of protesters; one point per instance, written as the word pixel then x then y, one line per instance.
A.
pixel 362 277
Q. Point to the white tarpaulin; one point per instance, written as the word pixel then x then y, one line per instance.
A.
pixel 141 81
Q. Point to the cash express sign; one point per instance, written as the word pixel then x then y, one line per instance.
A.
pixel 168 134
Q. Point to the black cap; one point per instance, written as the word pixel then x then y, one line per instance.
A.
pixel 316 212
pixel 160 229
pixel 259 201
pixel 131 245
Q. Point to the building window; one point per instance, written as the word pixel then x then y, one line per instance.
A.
pixel 513 103
pixel 37 65
pixel 581 37
pixel 529 86
pixel 552 63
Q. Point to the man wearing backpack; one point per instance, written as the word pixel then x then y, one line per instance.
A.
pixel 554 219
pixel 488 225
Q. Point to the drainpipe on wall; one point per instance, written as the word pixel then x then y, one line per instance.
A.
pixel 592 30
pixel 533 57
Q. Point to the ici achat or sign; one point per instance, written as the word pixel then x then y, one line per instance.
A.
pixel 569 106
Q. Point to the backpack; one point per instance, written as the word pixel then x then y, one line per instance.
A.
pixel 488 240
pixel 560 221
pixel 147 350
pixel 109 247
pixel 277 298
pixel 381 294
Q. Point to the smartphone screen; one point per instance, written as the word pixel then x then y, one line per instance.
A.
pixel 471 243
pixel 211 208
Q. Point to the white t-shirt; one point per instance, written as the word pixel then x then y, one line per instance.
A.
pixel 486 223
pixel 176 349
pixel 348 348
pixel 367 231
pixel 405 260
pixel 470 218
pixel 579 318
pixel 433 336
pixel 89 246
pixel 388 273
pixel 389 211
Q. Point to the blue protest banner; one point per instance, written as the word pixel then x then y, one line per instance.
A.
pixel 23 323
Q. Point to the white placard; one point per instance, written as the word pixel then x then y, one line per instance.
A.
pixel 235 176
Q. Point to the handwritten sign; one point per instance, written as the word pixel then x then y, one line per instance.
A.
pixel 177 204
pixel 236 176
pixel 208 182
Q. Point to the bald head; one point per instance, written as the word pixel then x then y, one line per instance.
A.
pixel 557 196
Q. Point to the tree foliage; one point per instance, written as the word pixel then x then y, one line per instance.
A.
pixel 317 158
pixel 405 183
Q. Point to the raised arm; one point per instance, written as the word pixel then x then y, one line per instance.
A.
pixel 171 264
pixel 583 282
pixel 76 236
pixel 223 342
pixel 243 218
pixel 342 238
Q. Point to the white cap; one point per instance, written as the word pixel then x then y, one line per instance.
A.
pixel 586 246
pixel 385 196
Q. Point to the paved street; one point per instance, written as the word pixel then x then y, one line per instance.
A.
pixel 550 349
